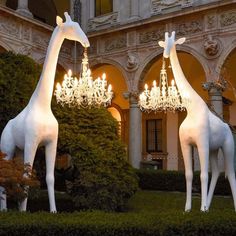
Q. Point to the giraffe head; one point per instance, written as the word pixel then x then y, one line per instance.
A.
pixel 71 30
pixel 169 43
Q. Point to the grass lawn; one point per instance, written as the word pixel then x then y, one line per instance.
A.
pixel 149 213
pixel 158 202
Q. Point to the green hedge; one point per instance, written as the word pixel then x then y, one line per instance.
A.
pixel 175 181
pixel 100 223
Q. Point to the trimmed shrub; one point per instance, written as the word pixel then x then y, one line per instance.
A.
pixel 175 181
pixel 104 179
pixel 18 78
pixel 106 224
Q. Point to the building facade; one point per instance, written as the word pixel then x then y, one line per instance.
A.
pixel 124 39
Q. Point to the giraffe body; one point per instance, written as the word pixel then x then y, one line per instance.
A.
pixel 36 125
pixel 202 129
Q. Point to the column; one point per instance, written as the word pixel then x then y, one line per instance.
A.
pixel 23 8
pixel 135 131
pixel 215 93
pixel 134 9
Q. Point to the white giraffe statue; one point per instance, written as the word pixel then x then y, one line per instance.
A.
pixel 36 125
pixel 202 129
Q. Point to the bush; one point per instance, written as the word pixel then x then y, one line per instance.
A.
pixel 106 224
pixel 18 78
pixel 104 178
pixel 175 181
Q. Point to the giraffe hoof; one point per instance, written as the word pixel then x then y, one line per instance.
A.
pixel 53 212
pixel 204 209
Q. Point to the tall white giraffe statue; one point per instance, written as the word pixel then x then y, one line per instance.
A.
pixel 202 129
pixel 36 125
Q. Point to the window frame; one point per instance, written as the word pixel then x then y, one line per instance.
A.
pixel 156 141
pixel 100 13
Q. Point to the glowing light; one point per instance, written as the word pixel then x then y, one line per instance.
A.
pixel 84 92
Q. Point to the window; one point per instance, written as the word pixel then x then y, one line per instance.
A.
pixel 154 135
pixel 103 6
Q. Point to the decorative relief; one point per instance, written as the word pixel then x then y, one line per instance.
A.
pixel 228 19
pixel 158 5
pixel 212 47
pixel 211 21
pixel 25 33
pixel 188 28
pixel 40 38
pixel 9 26
pixel 132 62
pixel 101 21
pixel 66 51
pixel 115 43
pixel 150 36
pixel 93 47
pixel 25 50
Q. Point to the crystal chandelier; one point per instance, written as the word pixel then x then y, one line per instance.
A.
pixel 162 97
pixel 84 92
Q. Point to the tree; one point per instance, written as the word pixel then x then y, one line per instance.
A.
pixel 104 178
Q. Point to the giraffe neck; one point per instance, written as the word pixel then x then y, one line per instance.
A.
pixel 183 84
pixel 42 95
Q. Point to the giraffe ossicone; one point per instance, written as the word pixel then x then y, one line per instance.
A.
pixel 36 125
pixel 202 129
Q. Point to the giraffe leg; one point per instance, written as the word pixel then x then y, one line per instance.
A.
pixel 203 151
pixel 186 150
pixel 50 164
pixel 214 176
pixel 228 151
pixel 29 155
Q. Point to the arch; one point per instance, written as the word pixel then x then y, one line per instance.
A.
pixel 152 57
pixel 225 53
pixel 116 78
pixel 96 63
pixel 5 46
pixel 193 69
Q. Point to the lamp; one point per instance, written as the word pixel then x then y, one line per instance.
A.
pixel 84 92
pixel 162 97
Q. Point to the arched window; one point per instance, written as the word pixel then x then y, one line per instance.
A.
pixel 103 7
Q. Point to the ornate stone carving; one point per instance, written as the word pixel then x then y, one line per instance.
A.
pixel 158 5
pixel 211 46
pixel 101 21
pixel 25 33
pixel 93 47
pixel 211 21
pixel 188 28
pixel 132 62
pixel 40 38
pixel 25 50
pixel 228 19
pixel 150 36
pixel 115 43
pixel 9 26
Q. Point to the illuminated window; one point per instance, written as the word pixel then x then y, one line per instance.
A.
pixel 103 6
pixel 154 135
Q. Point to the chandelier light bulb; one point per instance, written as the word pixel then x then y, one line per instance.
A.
pixel 163 97
pixel 84 92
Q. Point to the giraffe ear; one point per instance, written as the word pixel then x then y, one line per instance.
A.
pixel 180 41
pixel 161 44
pixel 59 20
